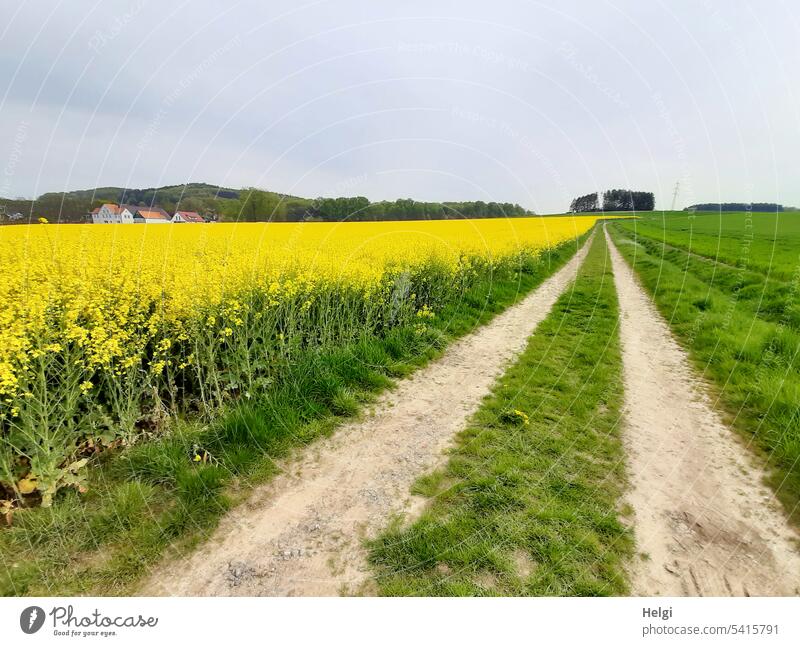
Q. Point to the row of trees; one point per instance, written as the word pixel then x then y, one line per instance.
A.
pixel 254 205
pixel 615 199
pixel 53 207
pixel 620 199
pixel 766 207
pixel 584 204
pixel 361 209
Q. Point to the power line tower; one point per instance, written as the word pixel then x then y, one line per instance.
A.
pixel 675 194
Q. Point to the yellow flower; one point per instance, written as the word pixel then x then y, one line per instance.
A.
pixel 522 417
pixel 425 313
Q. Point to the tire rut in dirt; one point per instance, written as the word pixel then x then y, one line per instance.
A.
pixel 706 525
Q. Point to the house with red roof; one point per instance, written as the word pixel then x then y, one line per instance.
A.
pixel 113 214
pixel 151 215
pixel 131 214
pixel 188 216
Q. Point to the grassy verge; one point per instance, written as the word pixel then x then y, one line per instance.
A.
pixel 751 355
pixel 765 242
pixel 767 298
pixel 166 495
pixel 529 501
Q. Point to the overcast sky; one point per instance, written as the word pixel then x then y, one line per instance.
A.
pixel 501 100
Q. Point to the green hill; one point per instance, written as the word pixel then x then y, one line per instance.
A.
pixel 247 205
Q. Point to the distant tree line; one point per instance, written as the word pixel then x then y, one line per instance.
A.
pixel 620 199
pixel 615 199
pixel 584 204
pixel 766 207
pixel 52 206
pixel 361 209
pixel 254 205
pixel 174 194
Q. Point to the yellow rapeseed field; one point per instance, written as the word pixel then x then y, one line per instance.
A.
pixel 94 319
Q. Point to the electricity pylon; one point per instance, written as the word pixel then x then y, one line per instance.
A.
pixel 675 194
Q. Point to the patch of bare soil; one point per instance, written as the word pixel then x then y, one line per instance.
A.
pixel 302 533
pixel 704 521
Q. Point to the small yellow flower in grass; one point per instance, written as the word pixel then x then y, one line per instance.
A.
pixel 86 386
pixel 425 313
pixel 515 417
pixel 199 454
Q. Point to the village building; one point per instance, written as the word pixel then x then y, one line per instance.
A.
pixel 113 214
pixel 130 214
pixel 187 216
pixel 151 215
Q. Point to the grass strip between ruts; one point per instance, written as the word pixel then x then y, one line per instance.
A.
pixel 529 502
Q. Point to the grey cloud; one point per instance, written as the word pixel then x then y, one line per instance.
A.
pixel 510 100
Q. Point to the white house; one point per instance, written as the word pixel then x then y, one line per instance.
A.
pixel 187 216
pixel 150 215
pixel 113 214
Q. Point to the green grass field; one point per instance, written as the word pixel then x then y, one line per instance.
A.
pixel 729 286
pixel 529 502
pixel 765 242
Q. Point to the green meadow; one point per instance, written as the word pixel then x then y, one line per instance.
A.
pixel 729 286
